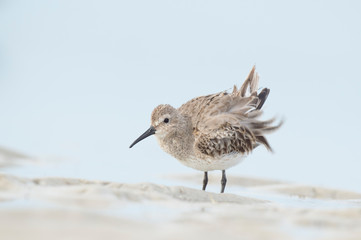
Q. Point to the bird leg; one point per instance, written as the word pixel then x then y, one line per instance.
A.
pixel 223 181
pixel 205 181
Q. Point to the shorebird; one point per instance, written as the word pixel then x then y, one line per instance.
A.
pixel 213 132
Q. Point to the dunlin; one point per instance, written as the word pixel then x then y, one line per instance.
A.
pixel 213 132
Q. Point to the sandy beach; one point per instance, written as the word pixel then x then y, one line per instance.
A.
pixel 63 208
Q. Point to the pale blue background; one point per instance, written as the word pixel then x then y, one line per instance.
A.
pixel 79 79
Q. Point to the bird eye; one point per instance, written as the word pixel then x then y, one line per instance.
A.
pixel 166 120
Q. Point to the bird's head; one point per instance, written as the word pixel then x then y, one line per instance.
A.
pixel 165 119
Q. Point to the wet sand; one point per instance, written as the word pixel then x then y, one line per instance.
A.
pixel 60 208
pixel 66 208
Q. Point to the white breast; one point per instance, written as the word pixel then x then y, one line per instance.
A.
pixel 221 163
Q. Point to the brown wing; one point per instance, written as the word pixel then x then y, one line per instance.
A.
pixel 228 139
pixel 198 108
pixel 211 111
pixel 239 111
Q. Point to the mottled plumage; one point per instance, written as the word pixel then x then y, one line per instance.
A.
pixel 214 132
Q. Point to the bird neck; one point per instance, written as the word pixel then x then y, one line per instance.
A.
pixel 179 143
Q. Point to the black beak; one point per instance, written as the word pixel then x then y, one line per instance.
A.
pixel 147 133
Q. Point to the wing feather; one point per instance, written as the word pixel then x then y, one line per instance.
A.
pixel 239 109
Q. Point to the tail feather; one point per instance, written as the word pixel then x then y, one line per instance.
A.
pixel 262 96
pixel 249 89
pixel 258 127
pixel 264 142
pixel 251 82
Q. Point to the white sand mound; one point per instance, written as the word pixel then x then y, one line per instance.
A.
pixel 10 158
pixel 60 208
